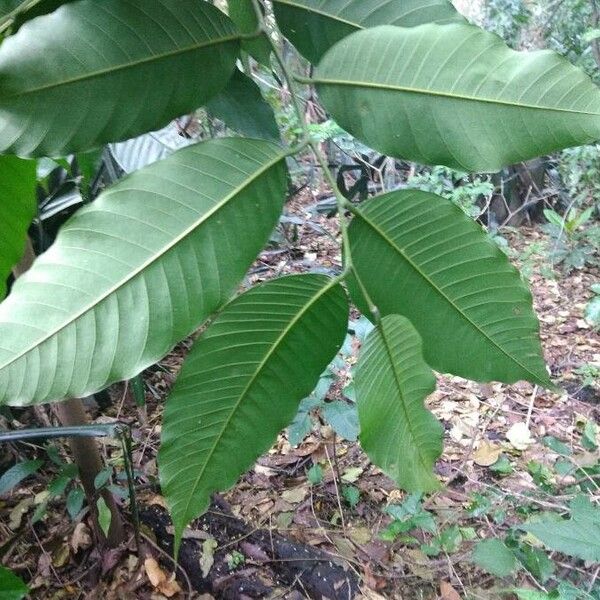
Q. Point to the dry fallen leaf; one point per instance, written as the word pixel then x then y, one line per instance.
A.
pixel 207 560
pixel 295 495
pixel 155 574
pixel 487 454
pixel 519 436
pixel 81 538
pixel 447 592
pixel 60 556
pixel 167 586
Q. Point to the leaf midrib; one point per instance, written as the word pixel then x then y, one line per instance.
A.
pixel 123 67
pixel 149 261
pixel 441 94
pixel 402 397
pixel 432 284
pixel 287 329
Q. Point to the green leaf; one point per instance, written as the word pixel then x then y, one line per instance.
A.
pixel 17 473
pixel 11 586
pixel 523 594
pixel 75 501
pixel 351 495
pixel 17 209
pixel 242 383
pixel 419 255
pixel 494 557
pixel 536 562
pixel 243 15
pixel 592 311
pixel 399 435
pixel 578 536
pixel 104 516
pixel 242 108
pixel 556 445
pixel 456 95
pixel 114 91
pixel 139 269
pixel 314 26
pixel 315 474
pixel 102 477
pixel 343 417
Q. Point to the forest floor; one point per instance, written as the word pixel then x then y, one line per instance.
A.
pixel 500 464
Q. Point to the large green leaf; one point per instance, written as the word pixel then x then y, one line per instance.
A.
pixel 242 383
pixel 122 67
pixel 313 26
pixel 242 108
pixel 392 380
pixel 420 256
pixel 17 209
pixel 456 95
pixel 138 269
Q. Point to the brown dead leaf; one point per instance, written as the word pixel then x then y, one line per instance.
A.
pixel 16 514
pixel 447 592
pixel 360 535
pixel 487 454
pixel 167 586
pixel 170 587
pixel 155 574
pixel 295 495
pixel 81 538
pixel 368 594
pixel 158 500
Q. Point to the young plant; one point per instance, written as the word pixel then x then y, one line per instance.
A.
pixel 572 243
pixel 162 251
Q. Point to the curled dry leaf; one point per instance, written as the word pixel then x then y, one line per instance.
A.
pixel 167 586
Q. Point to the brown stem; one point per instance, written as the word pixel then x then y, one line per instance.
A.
pixel 87 458
pixel 85 450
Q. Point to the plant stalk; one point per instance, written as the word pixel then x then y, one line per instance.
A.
pixel 85 452
pixel 342 203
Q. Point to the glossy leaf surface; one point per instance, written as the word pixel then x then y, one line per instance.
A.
pixel 138 269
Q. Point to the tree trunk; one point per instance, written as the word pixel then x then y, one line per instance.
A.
pixel 87 458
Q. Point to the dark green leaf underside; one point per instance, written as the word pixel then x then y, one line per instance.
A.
pixel 420 256
pixel 242 383
pixel 456 95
